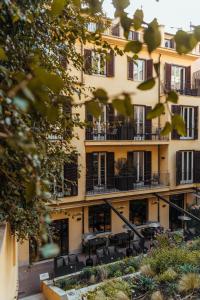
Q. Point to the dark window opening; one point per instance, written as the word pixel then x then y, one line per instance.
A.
pixel 138 211
pixel 99 218
pixel 174 222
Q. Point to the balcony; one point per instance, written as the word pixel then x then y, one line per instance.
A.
pixel 126 183
pixel 183 91
pixel 119 132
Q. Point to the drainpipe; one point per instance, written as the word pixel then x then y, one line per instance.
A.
pixel 159 125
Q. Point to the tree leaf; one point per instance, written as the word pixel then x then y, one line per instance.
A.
pixel 94 108
pixel 172 97
pixel 51 80
pixel 167 129
pixel 197 33
pixel 57 7
pixel 133 46
pixel 3 55
pixel 178 124
pixel 147 85
pixel 138 19
pixel 156 111
pixel 185 42
pixel 126 23
pixel 152 36
pixel 101 95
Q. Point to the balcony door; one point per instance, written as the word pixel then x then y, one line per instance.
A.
pixel 138 165
pixel 187 167
pixel 99 168
pixel 99 125
pixel 139 119
pixel 178 78
pixel 188 117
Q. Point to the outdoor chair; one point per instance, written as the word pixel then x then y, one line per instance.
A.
pixel 140 246
pixel 102 257
pixel 74 263
pixel 114 253
pixel 119 239
pixel 59 266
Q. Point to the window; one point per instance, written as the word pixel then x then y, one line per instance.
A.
pixel 188 117
pixel 99 169
pixel 139 70
pixel 115 30
pixel 169 43
pixel 138 165
pixel 178 78
pixel 139 119
pixel 99 125
pixel 99 218
pixel 133 36
pixel 98 63
pixel 138 212
pixel 91 26
pixel 187 167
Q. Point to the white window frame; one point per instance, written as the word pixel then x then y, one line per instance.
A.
pixel 138 111
pixel 187 124
pixel 139 67
pixel 187 180
pixel 99 57
pixel 176 77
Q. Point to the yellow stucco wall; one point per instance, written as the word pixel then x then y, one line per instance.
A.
pixel 8 264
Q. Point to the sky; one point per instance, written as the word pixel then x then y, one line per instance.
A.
pixel 171 13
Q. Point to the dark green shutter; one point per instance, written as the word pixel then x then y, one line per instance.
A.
pixel 147 167
pixel 148 124
pixel 178 167
pixel 196 167
pixel 196 117
pixel 89 172
pixel 71 177
pixel 130 68
pixel 110 162
pixel 176 109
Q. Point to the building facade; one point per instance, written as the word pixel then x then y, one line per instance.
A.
pixel 127 161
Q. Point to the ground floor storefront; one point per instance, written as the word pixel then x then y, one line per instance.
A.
pixel 70 225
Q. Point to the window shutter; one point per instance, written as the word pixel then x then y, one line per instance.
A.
pixel 130 68
pixel 149 69
pixel 168 75
pixel 188 78
pixel 172 44
pixel 148 124
pixel 135 36
pixel 71 177
pixel 131 171
pixel 110 65
pixel 196 166
pixel 88 61
pixel 178 167
pixel 196 117
pixel 89 128
pixel 110 162
pixel 176 109
pixel 115 30
pixel 67 111
pixel 147 167
pixel 89 171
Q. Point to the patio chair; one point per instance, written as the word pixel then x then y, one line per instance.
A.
pixel 114 253
pixel 102 257
pixel 74 263
pixel 59 266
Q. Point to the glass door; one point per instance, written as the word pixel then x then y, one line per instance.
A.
pixel 100 125
pixel 188 117
pixel 99 168
pixel 138 164
pixel 139 118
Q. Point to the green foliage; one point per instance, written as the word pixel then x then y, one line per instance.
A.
pixel 188 268
pixel 133 46
pixel 147 85
pixel 185 42
pixel 152 36
pixel 168 276
pixel 167 129
pixel 138 19
pixel 172 96
pixel 157 111
pixel 178 124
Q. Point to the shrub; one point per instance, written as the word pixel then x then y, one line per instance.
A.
pixel 188 268
pixel 147 270
pixel 189 282
pixel 129 270
pixel 194 245
pixel 144 284
pixel 162 259
pixel 167 276
pixel 102 273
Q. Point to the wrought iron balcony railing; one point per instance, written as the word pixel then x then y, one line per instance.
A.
pixel 107 131
pixel 120 183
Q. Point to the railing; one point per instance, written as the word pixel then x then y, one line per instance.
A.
pixel 183 91
pixel 120 183
pixel 107 131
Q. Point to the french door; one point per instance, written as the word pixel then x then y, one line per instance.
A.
pixel 188 117
pixel 178 78
pixel 187 167
pixel 139 118
pixel 138 164
pixel 99 169
pixel 99 125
